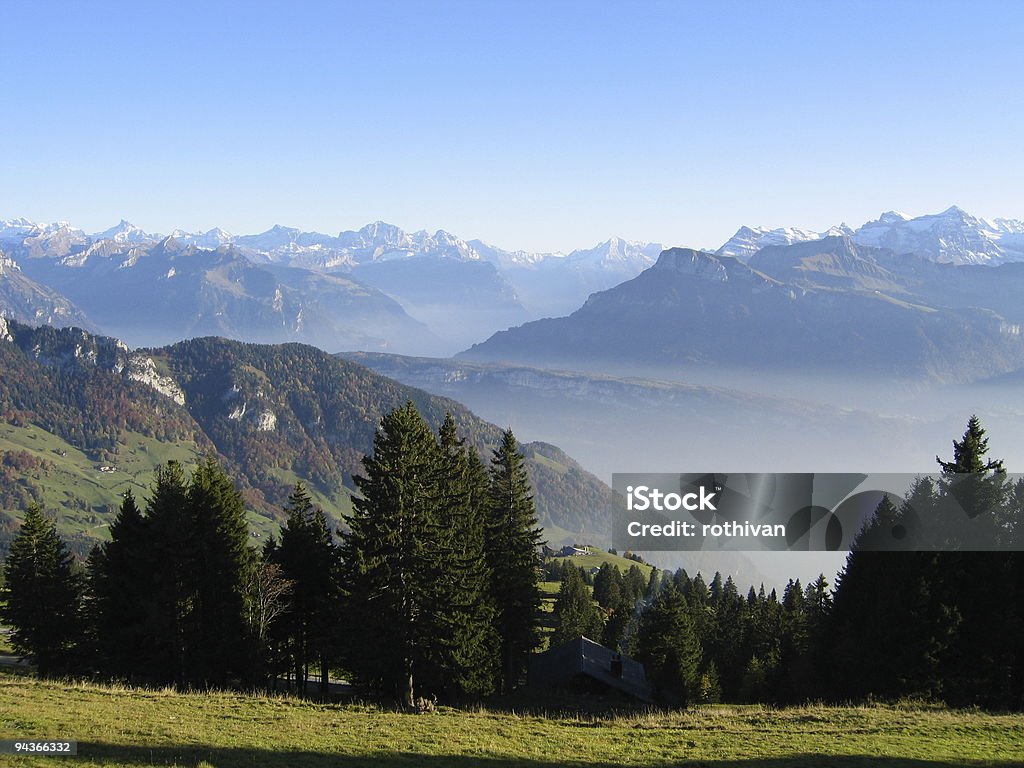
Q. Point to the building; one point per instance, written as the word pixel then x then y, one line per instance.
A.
pixel 583 660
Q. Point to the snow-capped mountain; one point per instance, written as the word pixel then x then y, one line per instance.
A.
pixel 953 236
pixel 749 240
pixel 212 238
pixel 628 257
pixel 27 239
pixel 126 232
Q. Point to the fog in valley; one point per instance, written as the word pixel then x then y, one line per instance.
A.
pixel 666 420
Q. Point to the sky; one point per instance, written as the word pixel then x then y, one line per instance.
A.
pixel 536 125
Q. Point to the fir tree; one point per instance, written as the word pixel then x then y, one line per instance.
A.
pixel 120 581
pixel 222 560
pixel 41 595
pixel 575 614
pixel 513 537
pixel 388 553
pixel 310 562
pixel 977 665
pixel 668 646
pixel 170 601
pixel 464 608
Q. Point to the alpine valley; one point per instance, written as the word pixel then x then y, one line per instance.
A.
pixel 845 348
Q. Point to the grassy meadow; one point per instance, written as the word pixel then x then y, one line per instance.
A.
pixel 128 727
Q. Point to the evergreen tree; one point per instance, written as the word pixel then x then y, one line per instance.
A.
pixel 310 561
pixel 464 607
pixel 575 614
pixel 41 595
pixel 120 581
pixel 223 559
pixel 977 665
pixel 388 553
pixel 513 537
pixel 723 637
pixel 889 628
pixel 170 600
pixel 668 646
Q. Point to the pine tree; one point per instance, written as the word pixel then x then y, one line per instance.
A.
pixel 575 614
pixel 310 562
pixel 464 608
pixel 42 595
pixel 218 641
pixel 668 646
pixel 977 666
pixel 388 553
pixel 120 579
pixel 171 599
pixel 513 537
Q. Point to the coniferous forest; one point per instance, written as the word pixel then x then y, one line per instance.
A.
pixel 430 591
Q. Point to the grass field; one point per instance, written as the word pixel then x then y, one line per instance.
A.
pixel 76 486
pixel 124 727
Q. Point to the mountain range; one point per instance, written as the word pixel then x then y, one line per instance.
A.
pixel 819 306
pixel 953 236
pixel 381 288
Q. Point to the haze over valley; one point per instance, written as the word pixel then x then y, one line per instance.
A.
pixel 781 350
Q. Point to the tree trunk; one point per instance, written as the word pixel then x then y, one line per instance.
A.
pixel 407 693
pixel 325 685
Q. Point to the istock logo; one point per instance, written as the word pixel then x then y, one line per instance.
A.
pixel 642 498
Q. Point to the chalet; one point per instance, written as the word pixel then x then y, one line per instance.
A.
pixel 583 660
pixel 571 551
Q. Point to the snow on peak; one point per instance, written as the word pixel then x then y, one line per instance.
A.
pixel 126 232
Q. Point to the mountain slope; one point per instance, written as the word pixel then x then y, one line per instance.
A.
pixel 694 309
pixel 157 293
pixel 25 300
pixel 275 414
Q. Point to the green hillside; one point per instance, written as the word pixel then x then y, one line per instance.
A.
pixel 72 402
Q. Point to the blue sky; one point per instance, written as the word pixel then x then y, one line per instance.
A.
pixel 544 126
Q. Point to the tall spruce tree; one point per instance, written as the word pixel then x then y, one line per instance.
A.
pixel 575 614
pixel 120 579
pixel 978 664
pixel 41 595
pixel 388 553
pixel 464 607
pixel 513 537
pixel 220 571
pixel 668 645
pixel 311 562
pixel 170 601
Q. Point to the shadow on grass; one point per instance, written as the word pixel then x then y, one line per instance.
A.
pixel 230 757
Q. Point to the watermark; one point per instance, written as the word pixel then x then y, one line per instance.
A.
pixel 39 747
pixel 827 512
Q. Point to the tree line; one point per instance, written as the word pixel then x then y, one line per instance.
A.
pixel 940 625
pixel 432 589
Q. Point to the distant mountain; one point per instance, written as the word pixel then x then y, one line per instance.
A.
pixel 696 309
pixel 463 291
pixel 953 236
pixel 553 284
pixel 831 262
pixel 749 240
pixel 155 293
pixel 25 300
pixel 275 414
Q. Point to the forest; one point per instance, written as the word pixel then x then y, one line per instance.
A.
pixel 430 591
